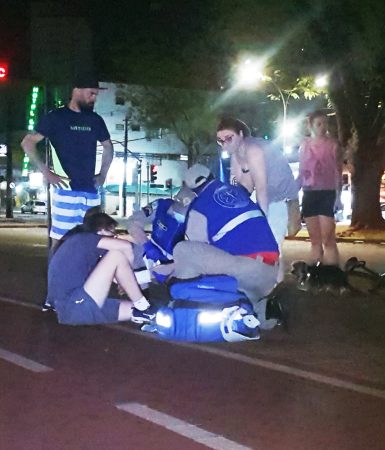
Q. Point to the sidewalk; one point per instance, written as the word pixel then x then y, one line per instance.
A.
pixel 368 236
pixel 19 222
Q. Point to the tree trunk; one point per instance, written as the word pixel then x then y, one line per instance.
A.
pixel 366 179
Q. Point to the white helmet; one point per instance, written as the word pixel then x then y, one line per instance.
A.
pixel 239 324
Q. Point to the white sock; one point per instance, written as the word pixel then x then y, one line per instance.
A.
pixel 142 303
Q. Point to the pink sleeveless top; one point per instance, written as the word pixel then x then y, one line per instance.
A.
pixel 318 168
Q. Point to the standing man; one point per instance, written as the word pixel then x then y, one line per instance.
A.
pixel 73 131
pixel 258 165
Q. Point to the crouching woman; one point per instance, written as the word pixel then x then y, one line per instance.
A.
pixel 86 262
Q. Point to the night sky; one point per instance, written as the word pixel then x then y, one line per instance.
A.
pixel 174 42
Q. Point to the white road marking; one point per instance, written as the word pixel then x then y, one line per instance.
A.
pixel 19 303
pixel 210 440
pixel 258 362
pixel 18 359
pixel 23 362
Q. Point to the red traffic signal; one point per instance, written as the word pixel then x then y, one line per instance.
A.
pixel 3 71
pixel 153 172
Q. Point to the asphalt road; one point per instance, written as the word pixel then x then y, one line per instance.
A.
pixel 317 385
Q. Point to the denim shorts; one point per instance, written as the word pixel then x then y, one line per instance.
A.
pixel 80 309
pixel 318 203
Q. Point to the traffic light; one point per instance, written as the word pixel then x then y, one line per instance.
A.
pixel 3 71
pixel 169 183
pixel 153 172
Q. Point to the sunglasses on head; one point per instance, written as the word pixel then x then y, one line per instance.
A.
pixel 226 140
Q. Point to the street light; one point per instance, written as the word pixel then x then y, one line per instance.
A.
pixel 321 81
pixel 250 74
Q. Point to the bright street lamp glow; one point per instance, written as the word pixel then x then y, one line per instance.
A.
pixel 250 73
pixel 289 128
pixel 321 81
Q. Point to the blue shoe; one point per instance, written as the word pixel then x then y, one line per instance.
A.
pixel 146 316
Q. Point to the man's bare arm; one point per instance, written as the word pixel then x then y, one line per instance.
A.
pixel 29 144
pixel 256 164
pixel 107 157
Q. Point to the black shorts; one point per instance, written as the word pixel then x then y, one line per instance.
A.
pixel 318 203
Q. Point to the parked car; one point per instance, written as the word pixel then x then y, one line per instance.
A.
pixel 34 207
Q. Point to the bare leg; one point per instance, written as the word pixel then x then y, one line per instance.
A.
pixel 115 264
pixel 314 228
pixel 328 234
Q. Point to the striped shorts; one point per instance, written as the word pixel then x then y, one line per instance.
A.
pixel 68 209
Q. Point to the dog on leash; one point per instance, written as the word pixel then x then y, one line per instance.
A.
pixel 320 278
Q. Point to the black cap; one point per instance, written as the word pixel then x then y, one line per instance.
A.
pixel 86 80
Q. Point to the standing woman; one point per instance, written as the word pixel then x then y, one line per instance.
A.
pixel 320 178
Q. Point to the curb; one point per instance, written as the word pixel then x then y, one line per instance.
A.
pixel 14 223
pixel 341 240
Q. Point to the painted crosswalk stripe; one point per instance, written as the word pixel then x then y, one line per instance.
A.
pixel 199 435
pixel 23 362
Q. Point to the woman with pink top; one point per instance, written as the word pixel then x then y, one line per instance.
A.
pixel 320 176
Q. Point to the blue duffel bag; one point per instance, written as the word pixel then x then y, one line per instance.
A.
pixel 207 309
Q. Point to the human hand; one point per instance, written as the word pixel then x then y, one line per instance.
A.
pixel 56 180
pixel 124 237
pixel 99 180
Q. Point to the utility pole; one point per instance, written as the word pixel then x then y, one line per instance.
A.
pixel 9 179
pixel 125 156
pixel 148 182
pixel 9 164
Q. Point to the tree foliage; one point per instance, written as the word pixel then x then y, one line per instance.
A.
pixel 348 38
pixel 299 39
pixel 189 114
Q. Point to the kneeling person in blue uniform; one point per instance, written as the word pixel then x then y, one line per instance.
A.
pixel 85 263
pixel 167 219
pixel 227 234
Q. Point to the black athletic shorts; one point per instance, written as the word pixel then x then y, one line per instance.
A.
pixel 318 203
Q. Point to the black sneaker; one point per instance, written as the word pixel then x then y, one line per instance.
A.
pixel 146 316
pixel 274 310
pixel 47 306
